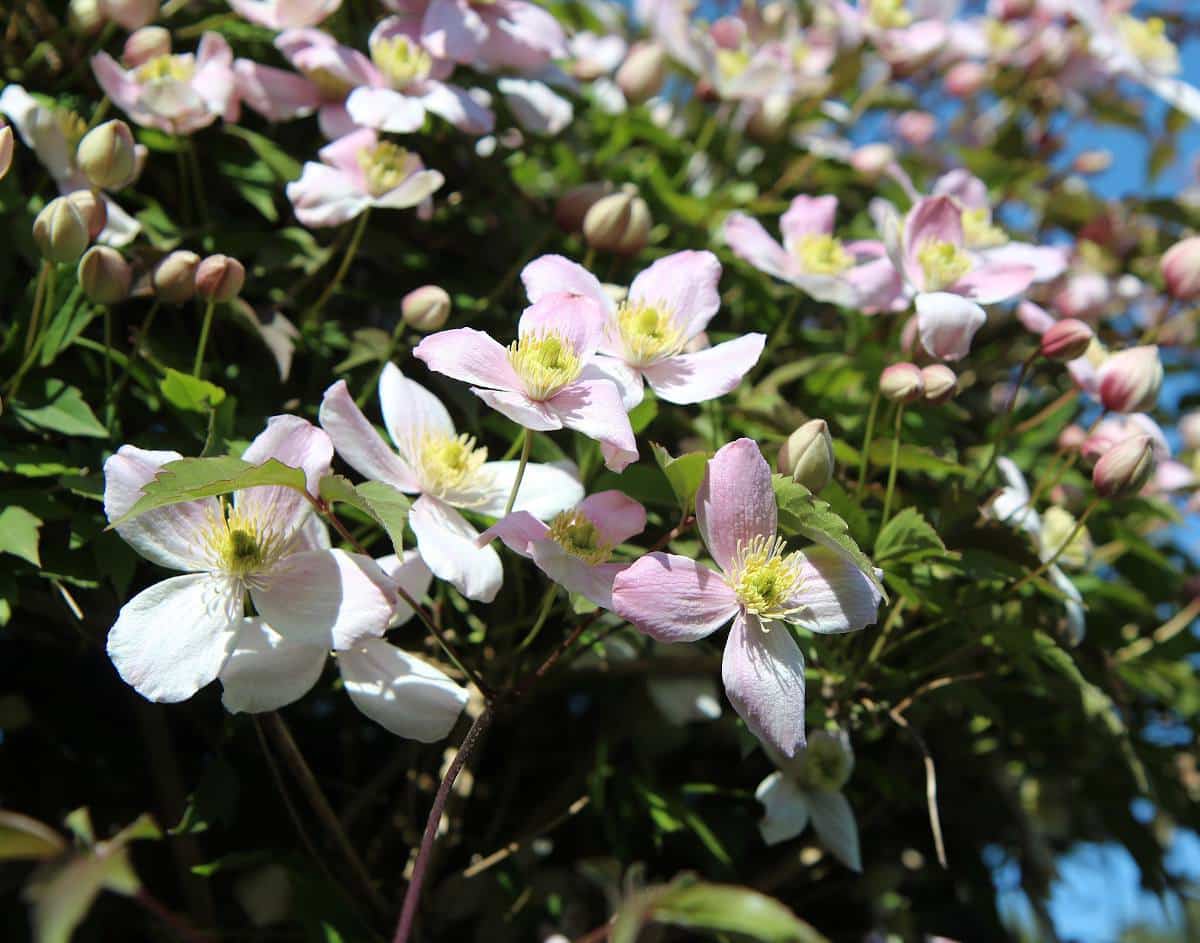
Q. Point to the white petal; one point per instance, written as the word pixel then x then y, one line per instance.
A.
pixel 266 671
pixel 835 595
pixel 763 671
pixel 833 820
pixel 296 443
pixel 786 813
pixel 545 489
pixel 412 575
pixel 410 412
pixel 447 544
pixel 400 692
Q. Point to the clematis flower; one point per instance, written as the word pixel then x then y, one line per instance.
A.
pixel 547 379
pixel 53 133
pixel 285 14
pixel 358 172
pixel 854 275
pixel 174 637
pixel 267 669
pixel 447 470
pixel 759 586
pixel 180 93
pixel 645 337
pixel 536 107
pixel 407 82
pixel 575 548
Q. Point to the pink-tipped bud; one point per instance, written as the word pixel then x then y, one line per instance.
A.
pixel 145 44
pixel 60 231
pixel 107 155
pixel 1067 340
pixel 965 79
pixel 643 72
pixel 1130 380
pixel 618 223
pixel 1125 468
pixel 1093 447
pixel 1072 437
pixel 91 208
pixel 219 278
pixel 807 455
pixel 131 14
pixel 426 308
pixel 573 205
pixel 902 383
pixel 1181 269
pixel 174 277
pixel 6 150
pixel 916 127
pixel 941 383
pixel 104 275
pixel 871 160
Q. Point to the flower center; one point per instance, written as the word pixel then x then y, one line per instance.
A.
pixel 332 86
pixel 765 579
pixel 178 68
pixel 241 545
pixel 943 263
pixel 578 536
pixel 401 60
pixel 545 363
pixel 823 255
pixel 447 463
pixel 825 763
pixel 732 62
pixel 386 166
pixel 1147 39
pixel 889 14
pixel 1001 37
pixel 648 332
pixel 978 230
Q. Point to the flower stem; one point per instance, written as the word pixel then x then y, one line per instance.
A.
pixel 313 313
pixel 543 612
pixel 35 315
pixel 109 405
pixel 868 436
pixel 143 333
pixel 198 363
pixel 891 484
pixel 526 448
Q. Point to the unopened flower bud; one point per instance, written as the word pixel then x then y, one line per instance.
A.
pixel 60 231
pixel 85 16
pixel 1067 339
pixel 104 275
pixel 618 223
pixel 871 160
pixel 1181 269
pixel 1093 447
pixel 573 205
pixel 941 383
pixel 145 44
pixel 6 150
pixel 965 79
pixel 916 127
pixel 643 72
pixel 106 155
pixel 219 278
pixel 1189 430
pixel 1072 437
pixel 175 277
pixel 1125 468
pixel 1092 162
pixel 807 455
pixel 91 208
pixel 902 383
pixel 131 14
pixel 426 308
pixel 1130 381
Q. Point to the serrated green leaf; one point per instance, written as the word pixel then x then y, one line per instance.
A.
pixel 384 504
pixel 61 408
pixel 684 474
pixel 19 534
pixel 190 393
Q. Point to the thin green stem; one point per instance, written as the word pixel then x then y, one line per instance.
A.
pixel 109 406
pixel 1062 548
pixel 891 485
pixel 868 436
pixel 198 363
pixel 30 351
pixel 543 613
pixel 313 313
pixel 526 448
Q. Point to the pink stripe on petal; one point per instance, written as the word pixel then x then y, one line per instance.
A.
pixel 763 671
pixel 616 515
pixel 736 501
pixel 594 408
pixel 672 598
pixel 706 374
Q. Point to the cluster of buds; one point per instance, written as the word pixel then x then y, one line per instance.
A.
pixel 183 274
pixel 907 383
pixel 61 231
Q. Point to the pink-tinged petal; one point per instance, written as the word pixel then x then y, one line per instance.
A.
pixel 452 29
pixel 400 692
pixel 285 14
pixel 1047 262
pixel 540 417
pixel 521 36
pixel 335 122
pixel 556 275
pixel 470 356
pixel 344 152
pixel 685 284
pixel 537 108
pixel 807 216
pixel 578 320
pixel 835 595
pixel 357 442
pixel 455 106
pixel 410 412
pixel 266 671
pixel 616 515
pixel 410 573
pixel 214 80
pixel 121 228
pixel 172 638
pixel 327 597
pixel 176 106
pixel 750 241
pixel 545 489
pixel 736 500
pixel 786 810
pixel 296 41
pixel 627 379
pixel 518 531
pixel 948 323
pixel 171 536
pixel 415 190
pixel 299 444
pixel 1172 476
pixel 878 286
pixel 763 671
pixel 324 196
pixel 312 535
pixel 118 84
pixel 673 598
pixel 448 547
pixel 706 374
pixel 594 408
pixel 933 219
pixel 592 581
pixel 275 94
pixel 994 282
pixel 970 192
pixel 1034 318
pixel 386 109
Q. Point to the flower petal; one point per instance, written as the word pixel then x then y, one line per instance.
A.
pixel 763 671
pixel 833 821
pixel 616 515
pixel 266 671
pixel 627 379
pixel 685 284
pixel 933 219
pixel 995 281
pixel 520 409
pixel 296 443
pixel 357 442
pixel 786 813
pixel 594 408
pixel 736 501
pixel 456 106
pixel 410 412
pixel 518 531
pixel 706 374
pixel 412 575
pixel 750 241
pixel 325 196
pixel 276 94
pixel 545 489
pixel 835 595
pixel 556 274
pixel 385 109
pixel 592 581
pixel 577 319
pixel 468 355
pixel 447 544
pixel 948 323
pixel 807 216
pixel 672 598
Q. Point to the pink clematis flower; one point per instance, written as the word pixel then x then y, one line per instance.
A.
pixel 358 172
pixel 180 93
pixel 447 470
pixel 575 548
pixel 645 337
pixel 267 669
pixel 854 275
pixel 285 14
pixel 548 378
pixel 759 586
pixel 174 637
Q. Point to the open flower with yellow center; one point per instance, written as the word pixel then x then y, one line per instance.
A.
pixel 1148 41
pixel 448 470
pixel 888 14
pixel 548 378
pixel 176 636
pixel 647 337
pixel 179 93
pixel 490 35
pixel 576 548
pixel 759 585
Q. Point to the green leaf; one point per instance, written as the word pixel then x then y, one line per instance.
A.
pixel 61 409
pixel 189 393
pixel 285 168
pixel 643 414
pixel 19 534
pixel 908 538
pixel 23 838
pixel 384 504
pixel 190 478
pixel 684 474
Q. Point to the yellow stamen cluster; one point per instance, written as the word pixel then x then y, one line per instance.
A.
pixel 545 363
pixel 823 255
pixel 448 464
pixel 943 263
pixel 765 579
pixel 577 535
pixel 978 230
pixel 332 86
pixel 889 14
pixel 1001 37
pixel 648 332
pixel 401 60
pixel 243 546
pixel 162 68
pixel 386 166
pixel 732 62
pixel 1147 39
